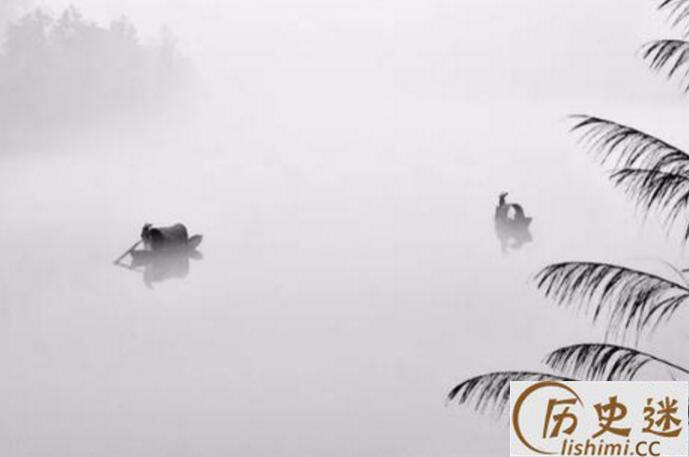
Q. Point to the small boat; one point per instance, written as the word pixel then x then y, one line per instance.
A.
pixel 141 256
pixel 165 254
pixel 187 247
pixel 511 224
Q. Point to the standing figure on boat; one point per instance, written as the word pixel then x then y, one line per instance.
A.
pixel 511 224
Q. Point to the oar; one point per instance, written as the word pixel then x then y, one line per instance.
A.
pixel 128 251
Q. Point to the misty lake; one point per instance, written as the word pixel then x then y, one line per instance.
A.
pixel 337 302
pixel 351 274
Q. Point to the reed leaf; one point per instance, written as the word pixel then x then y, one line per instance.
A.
pixel 633 299
pixel 492 391
pixel 671 55
pixel 653 190
pixel 603 362
pixel 678 10
pixel 626 147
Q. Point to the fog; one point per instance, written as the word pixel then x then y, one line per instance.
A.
pixel 343 161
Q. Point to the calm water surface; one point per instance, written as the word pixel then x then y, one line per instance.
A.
pixel 348 282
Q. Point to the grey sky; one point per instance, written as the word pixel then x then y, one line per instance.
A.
pixel 524 50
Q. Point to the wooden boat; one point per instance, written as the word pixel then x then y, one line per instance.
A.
pixel 188 248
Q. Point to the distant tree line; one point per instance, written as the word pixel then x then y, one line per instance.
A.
pixel 65 67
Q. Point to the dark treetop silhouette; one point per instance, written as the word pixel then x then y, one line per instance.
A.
pixel 655 174
pixel 57 69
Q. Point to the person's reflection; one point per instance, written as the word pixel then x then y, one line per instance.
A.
pixel 160 266
pixel 511 224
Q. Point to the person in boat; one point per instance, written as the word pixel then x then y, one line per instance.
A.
pixel 512 230
pixel 156 238
pixel 502 209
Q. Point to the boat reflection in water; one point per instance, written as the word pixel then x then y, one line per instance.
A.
pixel 166 254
